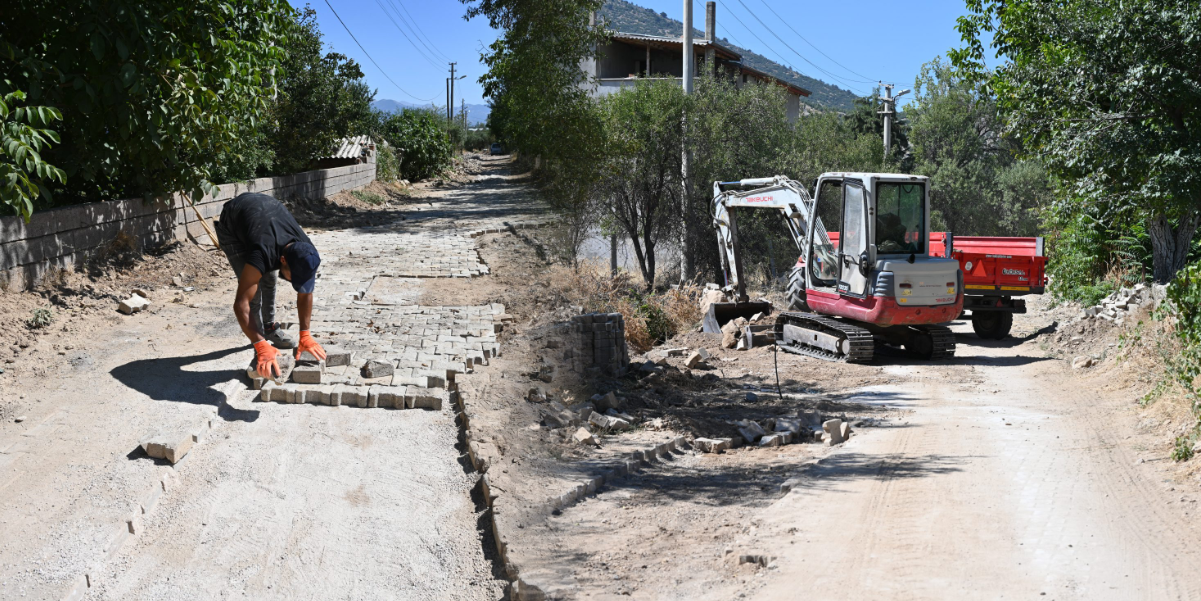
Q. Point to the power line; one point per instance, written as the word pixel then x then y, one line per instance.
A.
pixel 780 56
pixel 381 69
pixel 866 79
pixel 413 22
pixel 432 61
pixel 427 58
pixel 794 51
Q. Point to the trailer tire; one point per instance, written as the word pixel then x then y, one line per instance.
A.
pixel 796 290
pixel 992 325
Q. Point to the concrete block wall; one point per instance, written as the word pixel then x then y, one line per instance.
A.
pixel 67 236
pixel 600 343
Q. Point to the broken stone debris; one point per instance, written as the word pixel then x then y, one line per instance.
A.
pixel 607 401
pixel 133 304
pixel 583 436
pixel 834 432
pixel 750 431
pixel 1118 304
pixel 1082 362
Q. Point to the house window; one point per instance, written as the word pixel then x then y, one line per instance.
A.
pixel 744 78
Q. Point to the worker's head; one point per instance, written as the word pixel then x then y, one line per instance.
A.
pixel 298 264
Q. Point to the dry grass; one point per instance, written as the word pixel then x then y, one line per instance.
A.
pixel 649 317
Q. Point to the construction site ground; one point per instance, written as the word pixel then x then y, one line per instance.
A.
pixel 1003 473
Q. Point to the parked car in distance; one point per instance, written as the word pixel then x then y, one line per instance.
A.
pixel 496 148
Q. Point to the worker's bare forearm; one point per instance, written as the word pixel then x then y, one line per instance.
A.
pixel 304 309
pixel 248 286
pixel 242 313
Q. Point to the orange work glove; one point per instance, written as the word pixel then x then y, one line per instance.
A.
pixel 264 355
pixel 308 344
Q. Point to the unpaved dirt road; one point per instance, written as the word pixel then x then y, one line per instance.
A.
pixel 1004 476
pixel 1012 487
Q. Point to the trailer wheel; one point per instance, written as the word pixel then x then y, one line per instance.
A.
pixel 992 325
pixel 796 290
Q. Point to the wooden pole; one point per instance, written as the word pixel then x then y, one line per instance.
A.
pixel 203 222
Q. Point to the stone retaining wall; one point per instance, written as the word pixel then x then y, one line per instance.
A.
pixel 64 237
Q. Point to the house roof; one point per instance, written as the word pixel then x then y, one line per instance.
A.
pixel 795 89
pixel 351 148
pixel 668 43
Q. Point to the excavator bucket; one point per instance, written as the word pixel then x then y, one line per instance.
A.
pixel 720 314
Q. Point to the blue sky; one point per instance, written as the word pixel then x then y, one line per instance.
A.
pixel 865 40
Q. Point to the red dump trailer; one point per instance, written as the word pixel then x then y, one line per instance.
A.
pixel 997 271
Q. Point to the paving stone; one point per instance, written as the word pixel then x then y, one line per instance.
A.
pixel 336 356
pixel 377 369
pixel 425 398
pixel 171 447
pixel 713 445
pixel 354 396
pixel 308 372
pixel 133 305
pixel 750 431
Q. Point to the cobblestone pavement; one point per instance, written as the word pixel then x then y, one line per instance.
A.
pixel 303 501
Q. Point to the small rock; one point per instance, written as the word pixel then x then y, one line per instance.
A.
pixel 142 292
pixel 607 401
pixel 19 418
pixel 845 430
pixel 536 395
pixel 133 305
pixel 693 360
pixel 178 281
pixel 704 353
pixel 772 440
pixel 751 397
pixel 729 335
pixel 583 436
pixel 1082 362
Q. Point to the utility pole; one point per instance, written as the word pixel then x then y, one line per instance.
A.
pixel 450 103
pixel 890 105
pixel 689 69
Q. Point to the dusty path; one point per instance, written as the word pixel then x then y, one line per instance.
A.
pixel 999 475
pixel 278 500
pixel 1012 488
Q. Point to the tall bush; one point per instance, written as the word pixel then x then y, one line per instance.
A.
pixel 419 138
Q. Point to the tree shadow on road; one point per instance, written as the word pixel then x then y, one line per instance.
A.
pixel 165 379
pixel 759 485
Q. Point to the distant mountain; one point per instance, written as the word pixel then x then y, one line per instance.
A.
pixel 627 17
pixel 476 113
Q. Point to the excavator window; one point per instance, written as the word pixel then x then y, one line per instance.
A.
pixel 823 259
pixel 900 216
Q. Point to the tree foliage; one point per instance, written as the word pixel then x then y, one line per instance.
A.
pixel 1108 94
pixel 150 92
pixel 24 134
pixel 978 186
pixel 322 98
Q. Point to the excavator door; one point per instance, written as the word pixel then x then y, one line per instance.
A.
pixel 854 251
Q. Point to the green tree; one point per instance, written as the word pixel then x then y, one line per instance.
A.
pixel 642 173
pixel 322 98
pixel 24 133
pixel 151 92
pixel 1108 94
pixel 978 187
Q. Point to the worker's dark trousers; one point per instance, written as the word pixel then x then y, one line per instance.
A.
pixel 262 306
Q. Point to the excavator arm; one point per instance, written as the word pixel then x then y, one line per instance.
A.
pixel 777 193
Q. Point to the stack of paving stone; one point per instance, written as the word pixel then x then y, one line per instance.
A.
pixel 337 381
pixel 600 343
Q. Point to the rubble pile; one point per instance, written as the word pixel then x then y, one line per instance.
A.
pixel 1115 307
pixel 806 427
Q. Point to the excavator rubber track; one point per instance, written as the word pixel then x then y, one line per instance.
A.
pixel 942 339
pixel 859 342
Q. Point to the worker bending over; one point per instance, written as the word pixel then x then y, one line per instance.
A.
pixel 261 239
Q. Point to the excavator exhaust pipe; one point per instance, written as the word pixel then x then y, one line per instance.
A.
pixel 719 314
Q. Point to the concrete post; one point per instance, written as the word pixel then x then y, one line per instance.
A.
pixel 711 35
pixel 689 67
